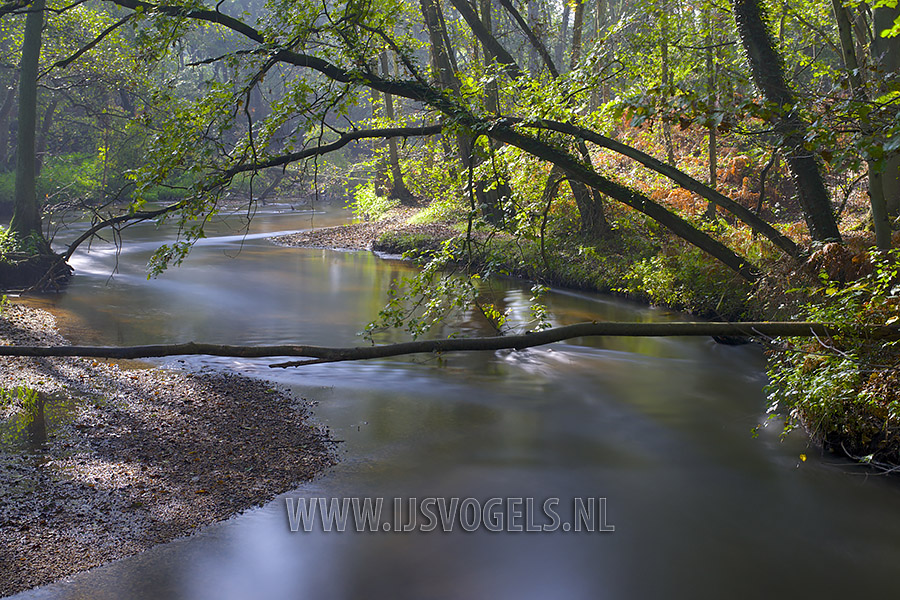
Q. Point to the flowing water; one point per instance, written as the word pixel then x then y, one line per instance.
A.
pixel 660 428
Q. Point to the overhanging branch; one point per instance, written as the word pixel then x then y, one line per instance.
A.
pixel 343 140
pixel 93 43
pixel 322 354
pixel 680 177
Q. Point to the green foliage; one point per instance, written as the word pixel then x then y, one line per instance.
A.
pixel 417 304
pixel 688 279
pixel 843 389
pixel 11 243
pixel 23 396
pixel 368 205
pixel 8 241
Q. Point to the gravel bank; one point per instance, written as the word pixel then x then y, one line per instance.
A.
pixel 362 236
pixel 140 456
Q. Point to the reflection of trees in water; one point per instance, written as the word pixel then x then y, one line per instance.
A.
pixel 27 429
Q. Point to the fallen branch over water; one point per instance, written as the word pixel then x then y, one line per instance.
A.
pixel 324 354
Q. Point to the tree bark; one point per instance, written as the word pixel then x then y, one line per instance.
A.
pixel 886 52
pixel 712 103
pixel 563 34
pixel 681 178
pixel 589 201
pixel 489 197
pixel 481 27
pixel 666 78
pixel 422 92
pixel 324 354
pixel 398 188
pixel 533 39
pixel 5 111
pixel 877 183
pixel 26 219
pixel 577 27
pixel 534 60
pixel 46 124
pixel 767 70
pixel 630 197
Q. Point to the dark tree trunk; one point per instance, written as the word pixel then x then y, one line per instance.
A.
pixel 588 200
pixel 887 55
pixel 631 197
pixel 666 80
pixel 26 219
pixel 712 102
pixel 768 74
pixel 398 188
pixel 577 30
pixel 489 197
pixel 880 219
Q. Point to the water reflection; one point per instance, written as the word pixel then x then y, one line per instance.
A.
pixel 661 427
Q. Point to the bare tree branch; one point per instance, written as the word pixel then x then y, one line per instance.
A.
pixel 320 354
pixel 135 216
pixel 346 138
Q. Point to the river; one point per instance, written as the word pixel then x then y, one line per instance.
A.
pixel 660 428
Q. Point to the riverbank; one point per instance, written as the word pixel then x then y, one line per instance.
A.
pixel 841 390
pixel 626 265
pixel 366 235
pixel 108 460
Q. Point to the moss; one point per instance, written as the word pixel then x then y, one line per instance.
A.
pixel 404 242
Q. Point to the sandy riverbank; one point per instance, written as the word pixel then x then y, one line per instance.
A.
pixel 142 457
pixel 362 236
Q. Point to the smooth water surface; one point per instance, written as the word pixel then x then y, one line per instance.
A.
pixel 661 428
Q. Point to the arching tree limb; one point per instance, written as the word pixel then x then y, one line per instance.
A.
pixel 680 177
pixel 442 101
pixel 631 197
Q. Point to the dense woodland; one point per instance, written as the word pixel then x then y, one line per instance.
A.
pixel 733 158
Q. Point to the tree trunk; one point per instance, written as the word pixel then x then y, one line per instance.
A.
pixel 599 96
pixel 877 183
pixel 712 103
pixel 563 34
pixel 534 60
pixel 767 70
pixel 398 188
pixel 666 83
pixel 886 52
pixel 588 200
pixel 5 111
pixel 26 219
pixel 536 44
pixel 321 354
pixel 630 197
pixel 681 178
pixel 489 200
pixel 46 124
pixel 492 92
pixel 577 26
